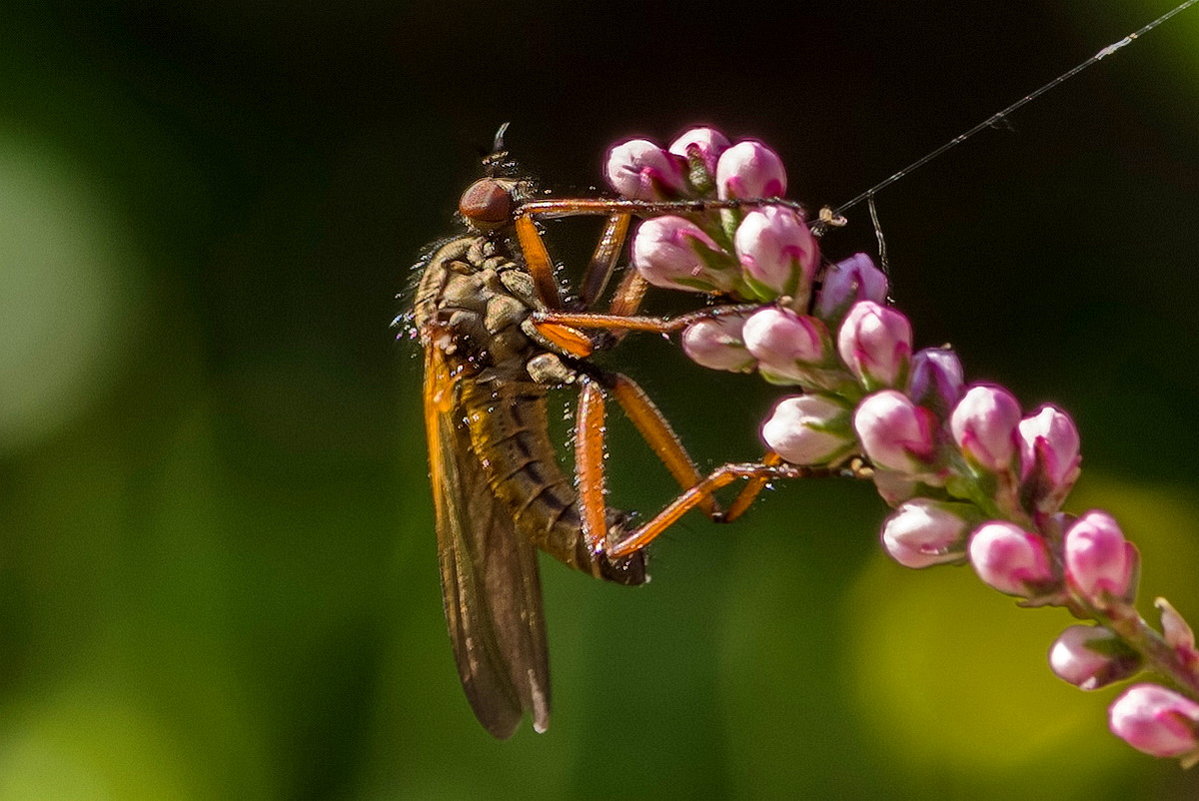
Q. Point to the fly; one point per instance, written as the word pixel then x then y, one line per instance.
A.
pixel 497 335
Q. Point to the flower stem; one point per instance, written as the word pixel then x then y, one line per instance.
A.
pixel 1123 619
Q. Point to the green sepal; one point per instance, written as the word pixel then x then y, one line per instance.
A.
pixel 1112 647
pixel 702 181
pixel 757 290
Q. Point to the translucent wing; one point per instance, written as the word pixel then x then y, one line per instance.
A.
pixel 489 578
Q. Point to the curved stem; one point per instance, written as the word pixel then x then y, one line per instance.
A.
pixel 1123 619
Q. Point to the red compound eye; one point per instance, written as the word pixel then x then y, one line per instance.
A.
pixel 486 204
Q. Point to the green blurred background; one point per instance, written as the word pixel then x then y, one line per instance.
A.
pixel 217 564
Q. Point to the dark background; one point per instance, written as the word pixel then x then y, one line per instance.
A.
pixel 217 564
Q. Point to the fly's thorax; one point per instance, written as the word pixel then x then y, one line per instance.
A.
pixel 474 303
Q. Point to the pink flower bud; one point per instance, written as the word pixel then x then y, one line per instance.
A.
pixel 923 532
pixel 674 253
pixel 1098 560
pixel 1156 721
pixel 1177 632
pixel 640 170
pixel 983 425
pixel 847 282
pixel 787 345
pixel 779 254
pixel 704 144
pixel 749 169
pixel 1010 559
pixel 1049 458
pixel 875 342
pixel 809 430
pixel 718 344
pixel 1090 657
pixel 895 433
pixel 936 380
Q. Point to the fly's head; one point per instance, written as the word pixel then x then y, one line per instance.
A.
pixel 489 203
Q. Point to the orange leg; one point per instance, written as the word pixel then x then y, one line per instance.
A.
pixel 550 321
pixel 589 465
pixel 753 486
pixel 603 260
pixel 721 477
pixel 575 207
pixel 629 294
pixel 537 260
pixel 758 474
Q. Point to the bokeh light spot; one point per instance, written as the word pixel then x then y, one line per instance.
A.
pixel 66 287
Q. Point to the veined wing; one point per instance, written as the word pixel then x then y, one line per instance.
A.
pixel 489 578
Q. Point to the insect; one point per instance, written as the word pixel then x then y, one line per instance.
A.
pixel 497 335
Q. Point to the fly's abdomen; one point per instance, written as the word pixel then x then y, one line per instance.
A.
pixel 510 435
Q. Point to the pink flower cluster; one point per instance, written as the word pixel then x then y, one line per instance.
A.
pixel 972 477
pixel 761 254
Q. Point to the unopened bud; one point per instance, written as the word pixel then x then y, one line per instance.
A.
pixel 718 344
pixel 1090 657
pixel 778 254
pixel 924 532
pixel 1175 629
pixel 701 147
pixel 1010 559
pixel 983 425
pixel 749 170
pixel 675 253
pixel 875 342
pixel 895 433
pixel 809 430
pixel 1156 721
pixel 1049 457
pixel 641 170
pixel 936 380
pixel 790 347
pixel 847 282
pixel 1099 561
